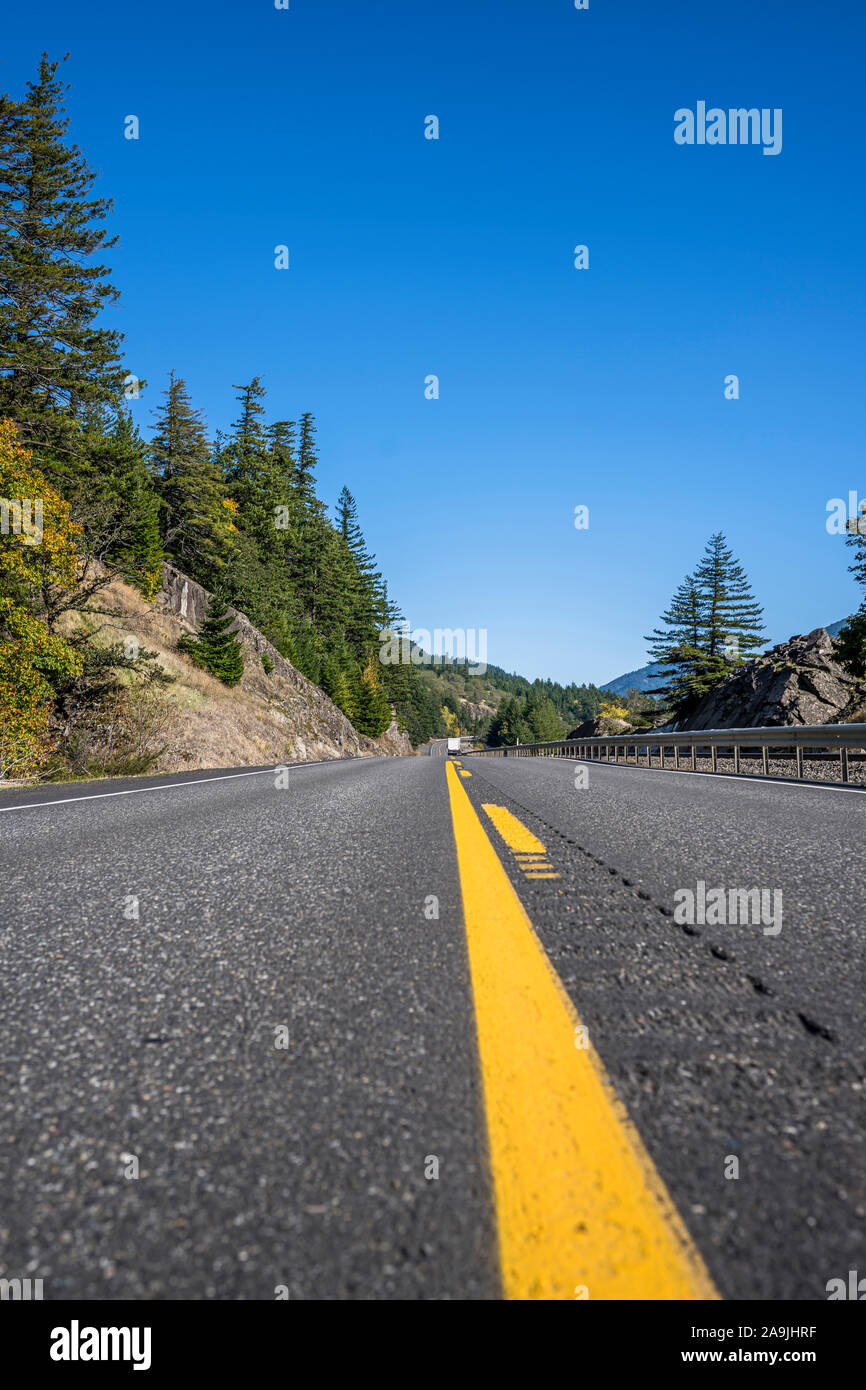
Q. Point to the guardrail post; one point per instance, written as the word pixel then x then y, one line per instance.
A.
pixel 714 758
pixel 765 764
pixel 736 757
pixel 843 757
pixel 694 758
pixel 676 757
pixel 799 760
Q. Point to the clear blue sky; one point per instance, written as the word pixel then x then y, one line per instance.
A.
pixel 409 257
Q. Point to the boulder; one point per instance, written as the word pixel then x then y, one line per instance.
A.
pixel 601 725
pixel 797 682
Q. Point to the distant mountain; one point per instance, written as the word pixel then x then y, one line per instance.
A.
pixel 642 679
pixel 645 677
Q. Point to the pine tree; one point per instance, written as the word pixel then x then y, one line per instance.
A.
pixel 364 602
pixel 851 640
pixel 313 528
pixel 677 644
pixel 731 617
pixel 56 364
pixel 711 627
pixel 543 723
pixel 197 525
pixel 258 469
pixel 217 648
pixel 249 427
pixel 374 712
pixel 119 488
pixel 508 726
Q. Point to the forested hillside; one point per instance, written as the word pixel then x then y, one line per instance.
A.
pixel 501 707
pixel 238 512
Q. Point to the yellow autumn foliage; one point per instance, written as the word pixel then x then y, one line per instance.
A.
pixel 37 552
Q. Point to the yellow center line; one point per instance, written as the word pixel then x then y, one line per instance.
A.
pixel 581 1210
pixel 513 831
pixel 526 848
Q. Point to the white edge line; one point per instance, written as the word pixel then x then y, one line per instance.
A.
pixel 170 786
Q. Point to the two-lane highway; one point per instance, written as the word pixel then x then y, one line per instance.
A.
pixel 400 1028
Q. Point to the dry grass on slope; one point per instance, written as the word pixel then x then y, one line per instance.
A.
pixel 266 719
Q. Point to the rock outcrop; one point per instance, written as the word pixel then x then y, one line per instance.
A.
pixel 314 726
pixel 796 682
pixel 601 725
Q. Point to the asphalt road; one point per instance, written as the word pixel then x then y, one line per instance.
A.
pixel 162 1136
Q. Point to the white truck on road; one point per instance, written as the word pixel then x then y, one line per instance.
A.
pixel 453 745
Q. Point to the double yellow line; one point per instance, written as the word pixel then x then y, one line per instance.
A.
pixel 581 1210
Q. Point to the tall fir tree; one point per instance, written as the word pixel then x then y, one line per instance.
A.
pixel 56 363
pixel 364 603
pixel 732 619
pixel 713 624
pixel 677 643
pixel 117 488
pixel 258 465
pixel 313 526
pixel 197 526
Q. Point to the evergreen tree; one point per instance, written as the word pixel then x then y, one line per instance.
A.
pixel 118 488
pixel 313 528
pixel 250 427
pixel 56 364
pixel 731 617
pixel 851 641
pixel 363 583
pixel 851 644
pixel 374 712
pixel 305 650
pixel 677 644
pixel 217 648
pixel 508 726
pixel 258 469
pixel 197 525
pixel 543 723
pixel 711 627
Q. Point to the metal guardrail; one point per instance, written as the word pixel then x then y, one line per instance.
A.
pixel 785 740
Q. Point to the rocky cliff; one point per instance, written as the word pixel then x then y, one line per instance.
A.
pixel 796 682
pixel 270 717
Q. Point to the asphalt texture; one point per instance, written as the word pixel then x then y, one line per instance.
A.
pixel 154 948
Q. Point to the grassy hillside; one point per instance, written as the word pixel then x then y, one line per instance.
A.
pixel 118 720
